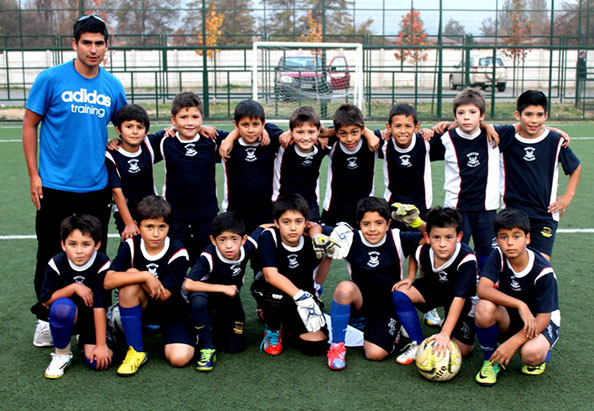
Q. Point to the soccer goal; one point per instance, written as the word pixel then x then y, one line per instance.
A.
pixel 286 75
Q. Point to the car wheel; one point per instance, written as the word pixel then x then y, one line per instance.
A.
pixel 452 85
pixel 501 87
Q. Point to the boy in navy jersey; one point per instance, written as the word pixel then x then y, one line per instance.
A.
pixel 288 264
pixel 449 280
pixel 190 184
pixel 130 166
pixel 522 311
pixel 214 284
pixel 73 289
pixel 530 169
pixel 149 271
pixel 374 260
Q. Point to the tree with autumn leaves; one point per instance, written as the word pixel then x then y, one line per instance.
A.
pixel 412 33
pixel 213 23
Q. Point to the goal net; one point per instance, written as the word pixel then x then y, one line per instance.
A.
pixel 286 75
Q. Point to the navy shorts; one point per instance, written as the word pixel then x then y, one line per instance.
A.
pixel 542 234
pixel 551 333
pixel 174 319
pixel 479 225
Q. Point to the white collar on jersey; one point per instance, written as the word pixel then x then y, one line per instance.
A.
pixel 356 150
pixel 81 268
pixel 407 149
pixel 227 261
pixel 129 154
pixel 243 143
pixel 296 248
pixel 195 139
pixel 378 244
pixel 526 270
pixel 468 136
pixel 302 154
pixel 447 263
pixel 154 257
pixel 535 140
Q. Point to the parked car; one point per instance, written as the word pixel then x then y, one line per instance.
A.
pixel 301 75
pixel 480 73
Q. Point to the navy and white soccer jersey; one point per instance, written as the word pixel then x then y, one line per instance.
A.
pixel 249 174
pixel 350 178
pixel 190 182
pixel 298 264
pixel 471 170
pixel 169 266
pixel 61 272
pixel 298 173
pixel 536 285
pixel 407 172
pixel 455 278
pixel 530 171
pixel 213 268
pixel 133 172
pixel 375 268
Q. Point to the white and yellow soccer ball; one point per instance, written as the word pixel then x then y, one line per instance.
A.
pixel 435 368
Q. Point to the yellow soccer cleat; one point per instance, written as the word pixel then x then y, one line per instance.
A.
pixel 131 363
pixel 487 376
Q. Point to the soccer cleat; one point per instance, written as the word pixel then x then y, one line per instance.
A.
pixel 272 342
pixel 43 335
pixel 336 356
pixel 403 332
pixel 57 365
pixel 131 363
pixel 487 376
pixel 534 369
pixel 432 318
pixel 207 359
pixel 408 354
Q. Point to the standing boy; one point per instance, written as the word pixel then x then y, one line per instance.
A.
pixel 74 102
pixel 73 290
pixel 522 311
pixel 149 271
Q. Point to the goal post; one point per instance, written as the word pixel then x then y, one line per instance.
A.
pixel 286 75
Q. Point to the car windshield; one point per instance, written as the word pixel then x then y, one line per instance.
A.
pixel 302 63
pixel 487 61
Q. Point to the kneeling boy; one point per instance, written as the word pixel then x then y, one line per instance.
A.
pixel 149 271
pixel 523 311
pixel 214 284
pixel 73 288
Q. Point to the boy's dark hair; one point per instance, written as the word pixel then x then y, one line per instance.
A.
pixel 403 110
pixel 443 217
pixel 472 96
pixel 348 115
pixel 228 221
pixel 249 108
pixel 153 207
pixel 290 202
pixel 532 98
pixel 85 223
pixel 509 218
pixel 132 112
pixel 371 204
pixel 302 115
pixel 89 24
pixel 185 99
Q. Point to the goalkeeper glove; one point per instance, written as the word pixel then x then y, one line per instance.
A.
pixel 342 235
pixel 309 311
pixel 323 245
pixel 407 214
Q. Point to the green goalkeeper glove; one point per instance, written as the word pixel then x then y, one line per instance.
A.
pixel 407 214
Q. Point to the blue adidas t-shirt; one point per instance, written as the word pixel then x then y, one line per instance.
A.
pixel 76 111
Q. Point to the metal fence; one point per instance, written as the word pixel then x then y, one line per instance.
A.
pixel 155 65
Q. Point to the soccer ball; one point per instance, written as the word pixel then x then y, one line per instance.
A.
pixel 436 368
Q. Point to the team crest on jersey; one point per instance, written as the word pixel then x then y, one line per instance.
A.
pixel 293 263
pixel 152 268
pixel 405 161
pixel 547 232
pixel 235 269
pixel 515 285
pixel 250 154
pixel 352 163
pixel 190 150
pixel 529 154
pixel 373 259
pixel 473 159
pixel 79 279
pixel 442 276
pixel 307 161
pixel 134 168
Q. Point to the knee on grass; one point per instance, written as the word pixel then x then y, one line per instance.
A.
pixel 179 355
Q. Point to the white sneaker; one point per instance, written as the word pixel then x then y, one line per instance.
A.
pixel 43 336
pixel 408 354
pixel 56 367
pixel 432 318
